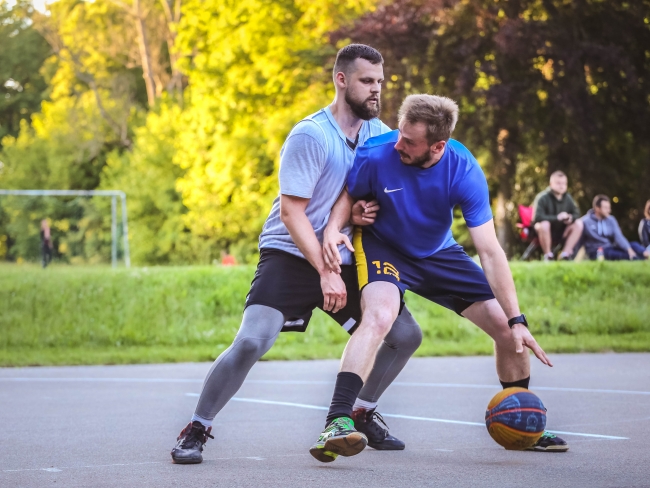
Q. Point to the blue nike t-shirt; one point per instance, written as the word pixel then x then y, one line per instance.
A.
pixel 417 204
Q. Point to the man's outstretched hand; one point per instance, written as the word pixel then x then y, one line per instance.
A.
pixel 523 337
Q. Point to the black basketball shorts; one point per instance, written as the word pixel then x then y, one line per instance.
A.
pixel 291 285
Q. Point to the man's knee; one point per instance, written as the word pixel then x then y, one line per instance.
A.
pixel 251 349
pixel 378 321
pixel 577 226
pixel 405 334
pixel 543 227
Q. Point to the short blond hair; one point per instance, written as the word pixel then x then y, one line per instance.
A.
pixel 439 114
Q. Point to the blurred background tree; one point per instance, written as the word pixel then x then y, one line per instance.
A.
pixel 542 86
pixel 184 105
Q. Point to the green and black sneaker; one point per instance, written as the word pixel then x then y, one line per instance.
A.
pixel 549 443
pixel 339 437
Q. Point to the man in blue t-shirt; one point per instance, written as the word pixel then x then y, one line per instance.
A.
pixel 418 175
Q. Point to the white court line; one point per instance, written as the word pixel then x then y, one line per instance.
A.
pixel 408 417
pixel 58 469
pixel 545 388
pixel 304 382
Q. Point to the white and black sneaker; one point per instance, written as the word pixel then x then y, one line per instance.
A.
pixel 190 443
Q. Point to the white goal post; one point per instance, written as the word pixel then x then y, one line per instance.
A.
pixel 114 194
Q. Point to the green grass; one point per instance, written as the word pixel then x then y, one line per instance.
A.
pixel 73 315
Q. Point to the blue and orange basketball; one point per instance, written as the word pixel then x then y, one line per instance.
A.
pixel 515 418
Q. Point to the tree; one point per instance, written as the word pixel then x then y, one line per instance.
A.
pixel 255 68
pixel 542 85
pixel 23 53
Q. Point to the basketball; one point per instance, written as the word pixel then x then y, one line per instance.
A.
pixel 515 418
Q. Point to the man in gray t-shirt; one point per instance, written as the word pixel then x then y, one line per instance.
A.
pixel 291 279
pixel 314 163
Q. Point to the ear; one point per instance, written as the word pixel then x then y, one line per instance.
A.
pixel 438 147
pixel 340 80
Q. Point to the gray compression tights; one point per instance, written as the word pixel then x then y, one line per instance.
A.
pixel 260 328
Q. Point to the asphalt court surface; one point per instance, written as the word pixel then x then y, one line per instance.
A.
pixel 115 426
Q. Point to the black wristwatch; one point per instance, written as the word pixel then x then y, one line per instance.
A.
pixel 521 319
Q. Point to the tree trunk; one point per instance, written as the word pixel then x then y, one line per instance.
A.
pixel 173 17
pixel 144 53
pixel 506 157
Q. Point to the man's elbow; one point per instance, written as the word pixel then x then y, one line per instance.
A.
pixel 491 253
pixel 285 214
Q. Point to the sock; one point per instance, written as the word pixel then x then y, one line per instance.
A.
pixel 347 388
pixel 362 404
pixel 206 423
pixel 520 383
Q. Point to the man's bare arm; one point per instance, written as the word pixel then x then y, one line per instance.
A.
pixel 292 213
pixel 497 272
pixel 345 211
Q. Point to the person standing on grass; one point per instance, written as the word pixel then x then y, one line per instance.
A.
pixel 291 278
pixel 418 175
pixel 556 218
pixel 602 232
pixel 46 243
pixel 644 227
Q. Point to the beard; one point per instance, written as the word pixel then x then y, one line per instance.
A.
pixel 365 110
pixel 417 161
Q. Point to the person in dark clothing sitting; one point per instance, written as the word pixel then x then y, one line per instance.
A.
pixel 644 227
pixel 556 218
pixel 602 232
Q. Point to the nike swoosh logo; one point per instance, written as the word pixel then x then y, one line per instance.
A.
pixel 386 190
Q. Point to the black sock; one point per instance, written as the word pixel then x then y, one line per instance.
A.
pixel 346 391
pixel 520 383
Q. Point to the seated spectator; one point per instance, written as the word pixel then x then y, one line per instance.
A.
pixel 644 227
pixel 556 218
pixel 601 231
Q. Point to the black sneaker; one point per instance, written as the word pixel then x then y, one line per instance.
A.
pixel 374 426
pixel 190 443
pixel 549 443
pixel 339 437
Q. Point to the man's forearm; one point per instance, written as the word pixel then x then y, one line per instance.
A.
pixel 499 276
pixel 340 214
pixel 303 235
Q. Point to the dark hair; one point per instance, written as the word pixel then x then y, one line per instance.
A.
pixel 598 199
pixel 346 56
pixel 558 173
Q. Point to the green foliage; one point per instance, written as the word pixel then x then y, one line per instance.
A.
pixel 542 86
pixel 147 174
pixel 257 69
pixel 66 315
pixel 187 113
pixel 23 53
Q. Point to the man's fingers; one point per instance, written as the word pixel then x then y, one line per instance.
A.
pixel 538 351
pixel 326 303
pixel 519 344
pixel 541 355
pixel 348 244
pixel 371 209
pixel 332 258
